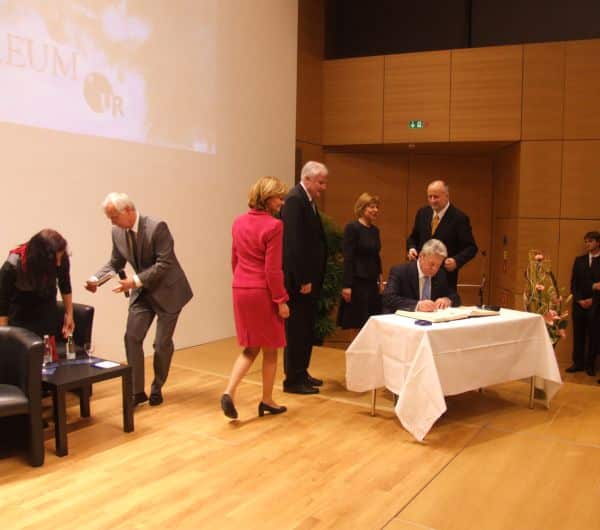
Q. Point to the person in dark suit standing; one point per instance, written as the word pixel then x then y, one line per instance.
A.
pixel 420 285
pixel 159 288
pixel 304 259
pixel 447 223
pixel 585 271
pixel 363 281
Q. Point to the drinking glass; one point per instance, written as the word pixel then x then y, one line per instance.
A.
pixel 89 348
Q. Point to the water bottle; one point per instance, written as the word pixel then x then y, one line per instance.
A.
pixel 70 349
pixel 47 350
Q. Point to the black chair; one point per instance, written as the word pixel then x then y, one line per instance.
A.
pixel 21 353
pixel 83 315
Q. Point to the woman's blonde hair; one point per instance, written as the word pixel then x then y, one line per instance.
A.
pixel 263 189
pixel 365 199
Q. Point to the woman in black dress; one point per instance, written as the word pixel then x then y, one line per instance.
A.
pixel 363 281
pixel 28 285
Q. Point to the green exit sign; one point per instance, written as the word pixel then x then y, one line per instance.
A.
pixel 416 124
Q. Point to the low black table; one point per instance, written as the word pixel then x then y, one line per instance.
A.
pixel 80 374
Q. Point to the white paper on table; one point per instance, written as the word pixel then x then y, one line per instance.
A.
pixel 106 364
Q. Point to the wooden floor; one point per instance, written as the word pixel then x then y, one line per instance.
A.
pixel 489 463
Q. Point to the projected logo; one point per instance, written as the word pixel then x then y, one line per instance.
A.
pixel 100 97
pixel 96 68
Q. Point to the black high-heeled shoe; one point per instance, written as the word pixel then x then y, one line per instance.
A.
pixel 263 407
pixel 228 406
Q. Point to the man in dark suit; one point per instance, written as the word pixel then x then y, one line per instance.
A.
pixel 304 259
pixel 586 270
pixel 159 288
pixel 420 285
pixel 447 223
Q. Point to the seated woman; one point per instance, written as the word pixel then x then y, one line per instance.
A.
pixel 28 284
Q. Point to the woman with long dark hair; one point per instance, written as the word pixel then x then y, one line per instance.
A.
pixel 28 284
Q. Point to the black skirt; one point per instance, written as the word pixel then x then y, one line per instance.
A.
pixel 365 302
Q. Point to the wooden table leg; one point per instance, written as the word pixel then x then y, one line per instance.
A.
pixel 127 390
pixel 373 401
pixel 60 422
pixel 84 401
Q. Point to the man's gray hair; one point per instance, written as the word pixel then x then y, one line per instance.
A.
pixel 120 201
pixel 312 169
pixel 434 247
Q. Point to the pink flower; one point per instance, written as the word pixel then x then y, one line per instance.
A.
pixel 539 287
pixel 538 257
pixel 562 333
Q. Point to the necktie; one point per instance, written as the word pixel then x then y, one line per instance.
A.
pixel 434 223
pixel 132 248
pixel 426 294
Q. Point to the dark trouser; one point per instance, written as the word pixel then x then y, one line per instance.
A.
pixel 141 315
pixel 299 329
pixel 583 330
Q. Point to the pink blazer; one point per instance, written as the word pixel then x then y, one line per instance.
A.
pixel 256 253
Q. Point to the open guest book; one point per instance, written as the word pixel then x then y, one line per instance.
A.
pixel 450 313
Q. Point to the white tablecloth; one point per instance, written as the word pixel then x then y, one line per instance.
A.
pixel 422 364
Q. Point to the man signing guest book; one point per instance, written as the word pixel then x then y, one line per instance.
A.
pixel 420 285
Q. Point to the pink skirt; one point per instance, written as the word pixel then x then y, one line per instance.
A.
pixel 257 321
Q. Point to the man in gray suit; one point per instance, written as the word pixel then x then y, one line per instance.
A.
pixel 158 288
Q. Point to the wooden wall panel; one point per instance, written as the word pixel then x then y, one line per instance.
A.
pixel 512 240
pixel 470 182
pixel 486 93
pixel 581 180
pixel 417 87
pixel 582 86
pixel 540 179
pixel 353 101
pixel 311 43
pixel 386 175
pixel 507 173
pixel 506 298
pixel 504 269
pixel 543 91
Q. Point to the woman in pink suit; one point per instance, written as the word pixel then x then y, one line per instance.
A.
pixel 259 296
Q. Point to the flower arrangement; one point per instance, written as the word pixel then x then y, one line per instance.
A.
pixel 543 296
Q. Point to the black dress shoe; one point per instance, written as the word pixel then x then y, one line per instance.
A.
pixel 590 371
pixel 263 407
pixel 228 406
pixel 313 381
pixel 574 368
pixel 301 388
pixel 140 397
pixel 156 398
